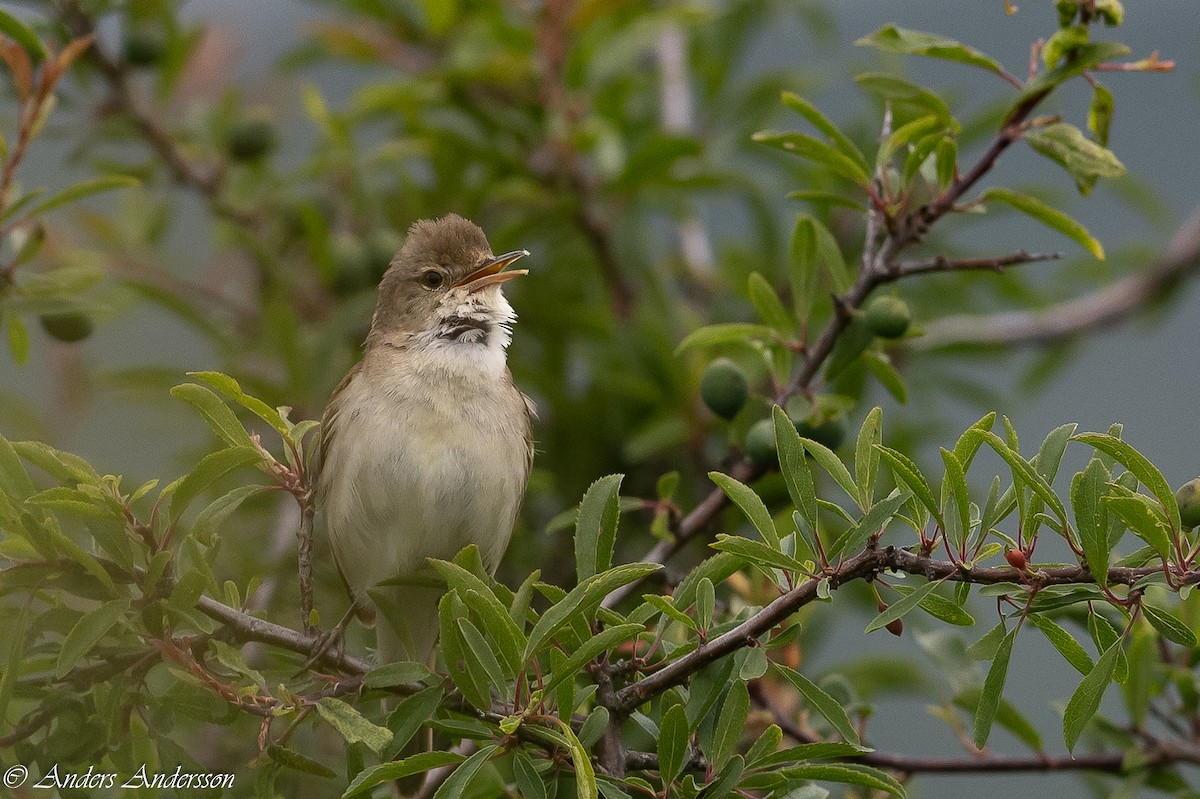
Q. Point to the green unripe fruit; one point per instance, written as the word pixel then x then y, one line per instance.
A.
pixel 760 443
pixel 250 139
pixel 145 46
pixel 724 388
pixel 888 317
pixel 70 326
pixel 1188 497
pixel 830 433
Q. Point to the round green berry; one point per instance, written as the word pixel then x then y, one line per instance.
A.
pixel 888 317
pixel 1188 497
pixel 70 326
pixel 250 139
pixel 723 388
pixel 145 46
pixel 760 443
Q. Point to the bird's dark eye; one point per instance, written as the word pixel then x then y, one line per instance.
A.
pixel 432 279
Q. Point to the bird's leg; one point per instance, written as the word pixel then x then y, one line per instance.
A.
pixel 327 641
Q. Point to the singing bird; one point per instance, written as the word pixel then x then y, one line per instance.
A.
pixel 426 444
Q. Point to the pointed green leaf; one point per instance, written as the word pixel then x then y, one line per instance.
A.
pixel 232 389
pixel 88 632
pixel 757 552
pixel 906 472
pixel 890 87
pixel 881 366
pixel 1169 625
pixel 1023 470
pixel 1084 159
pixel 1144 519
pixel 794 465
pixel 750 504
pixel 901 607
pixel 819 121
pixel 673 743
pixel 20 33
pixel 1087 489
pixel 816 151
pixel 1145 471
pixel 892 39
pixel 387 772
pixel 731 333
pixel 768 305
pixel 993 688
pixel 1064 642
pixel 455 786
pixel 1100 113
pixel 821 701
pixel 218 415
pixel 1047 215
pixel 601 642
pixel 352 725
pixel 832 464
pixel 876 519
pixel 1086 699
pixel 596 526
pixel 848 774
pixel 80 190
pixel 956 497
pixel 866 457
pixel 210 468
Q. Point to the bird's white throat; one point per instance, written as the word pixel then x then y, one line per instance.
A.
pixel 471 333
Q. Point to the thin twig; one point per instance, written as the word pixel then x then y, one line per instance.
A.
pixel 1092 311
pixel 940 263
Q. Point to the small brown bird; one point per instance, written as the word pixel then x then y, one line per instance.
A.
pixel 426 444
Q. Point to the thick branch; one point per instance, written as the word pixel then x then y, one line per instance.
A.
pixel 1093 311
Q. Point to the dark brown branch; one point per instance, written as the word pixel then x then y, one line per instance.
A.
pixel 1093 311
pixel 863 565
pixel 940 263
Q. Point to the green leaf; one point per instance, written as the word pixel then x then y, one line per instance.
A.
pixel 210 468
pixel 1086 699
pixel 849 774
pixel 902 606
pixel 822 702
pixel 216 511
pixel 62 466
pixel 816 151
pixel 850 345
pixel 1083 158
pixel 587 595
pixel 1087 489
pixel 410 714
pixel 1051 217
pixel 484 655
pixel 731 722
pixel 866 458
pixel 230 388
pixel 1023 470
pixel 993 687
pixel 673 743
pixel 1169 625
pixel 942 608
pixel 302 763
pixel 479 597
pixel 14 480
pixel 875 520
pixel 892 39
pixel 794 466
pixel 352 725
pixel 1143 519
pixel 80 190
pixel 819 121
pixel 757 552
pixel 1100 113
pixel 596 526
pixel 530 784
pixel 1145 471
pixel 585 774
pixel 907 473
pixel 18 339
pixel 1081 60
pixel 1064 642
pixel 955 492
pixel 218 415
pixel 455 786
pixel 832 464
pixel 731 333
pixel 804 265
pixel 881 366
pixel 750 504
pixel 768 305
pixel 889 87
pixel 905 135
pixel 387 772
pixel 599 643
pixel 19 32
pixel 1007 716
pixel 87 632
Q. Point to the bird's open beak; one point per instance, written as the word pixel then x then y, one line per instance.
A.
pixel 492 272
